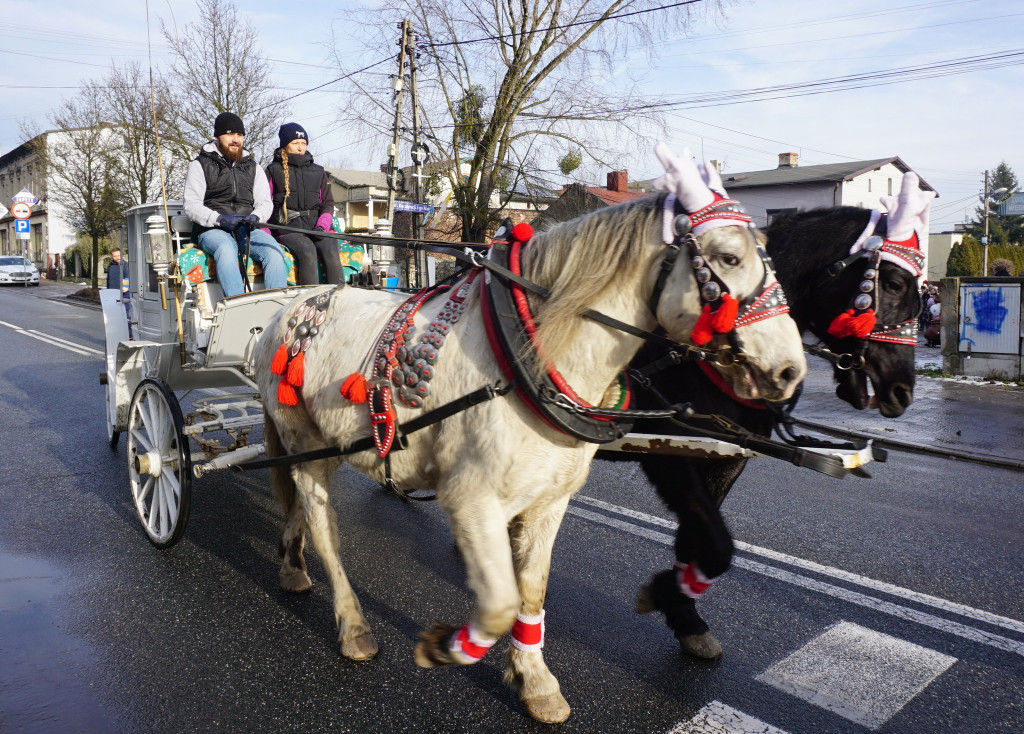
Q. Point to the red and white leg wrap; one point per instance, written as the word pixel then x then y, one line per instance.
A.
pixel 528 632
pixel 468 646
pixel 691 580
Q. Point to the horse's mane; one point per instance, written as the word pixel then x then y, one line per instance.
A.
pixel 578 259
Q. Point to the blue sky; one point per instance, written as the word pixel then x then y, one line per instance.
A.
pixel 949 127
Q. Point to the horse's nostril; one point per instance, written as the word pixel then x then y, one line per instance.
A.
pixel 789 374
pixel 903 394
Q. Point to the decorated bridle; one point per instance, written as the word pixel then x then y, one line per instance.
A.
pixel 908 215
pixel 689 214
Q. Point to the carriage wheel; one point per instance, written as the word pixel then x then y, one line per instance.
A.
pixel 159 463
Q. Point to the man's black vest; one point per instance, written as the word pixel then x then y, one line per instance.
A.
pixel 305 178
pixel 228 187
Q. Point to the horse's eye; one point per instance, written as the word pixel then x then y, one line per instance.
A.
pixel 731 260
pixel 893 285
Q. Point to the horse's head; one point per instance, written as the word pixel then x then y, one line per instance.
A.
pixel 721 291
pixel 858 292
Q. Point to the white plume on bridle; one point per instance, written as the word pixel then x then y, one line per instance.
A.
pixel 694 186
pixel 908 214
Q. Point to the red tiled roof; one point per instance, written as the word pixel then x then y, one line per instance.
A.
pixel 615 197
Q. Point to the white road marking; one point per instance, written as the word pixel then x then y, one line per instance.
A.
pixel 60 341
pixel 717 718
pixel 873 584
pixel 886 607
pixel 862 675
pixel 54 341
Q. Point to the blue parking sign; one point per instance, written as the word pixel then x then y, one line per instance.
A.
pixel 21 226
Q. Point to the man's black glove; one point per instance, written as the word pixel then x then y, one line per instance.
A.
pixel 229 222
pixel 250 222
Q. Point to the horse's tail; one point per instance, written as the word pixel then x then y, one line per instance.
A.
pixel 280 476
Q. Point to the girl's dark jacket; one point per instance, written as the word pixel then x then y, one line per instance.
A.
pixel 310 201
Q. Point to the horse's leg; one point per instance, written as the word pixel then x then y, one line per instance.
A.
pixel 478 523
pixel 703 547
pixel 293 535
pixel 533 534
pixel 312 480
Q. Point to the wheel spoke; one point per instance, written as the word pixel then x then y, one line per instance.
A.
pixel 144 491
pixel 165 518
pixel 142 439
pixel 155 507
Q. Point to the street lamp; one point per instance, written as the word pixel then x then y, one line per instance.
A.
pixel 984 239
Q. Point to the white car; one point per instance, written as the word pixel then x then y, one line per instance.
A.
pixel 17 270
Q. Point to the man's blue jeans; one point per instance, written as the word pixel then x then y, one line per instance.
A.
pixel 225 246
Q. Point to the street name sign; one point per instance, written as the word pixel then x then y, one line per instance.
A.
pixel 26 197
pixel 410 206
pixel 21 210
pixel 21 226
pixel 1012 206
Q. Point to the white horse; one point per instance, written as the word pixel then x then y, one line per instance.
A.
pixel 502 474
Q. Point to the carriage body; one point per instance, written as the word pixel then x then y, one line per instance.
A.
pixel 184 335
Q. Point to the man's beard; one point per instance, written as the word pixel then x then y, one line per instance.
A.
pixel 232 155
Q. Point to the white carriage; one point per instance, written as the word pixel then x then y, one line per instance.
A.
pixel 185 335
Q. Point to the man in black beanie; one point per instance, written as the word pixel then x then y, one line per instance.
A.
pixel 226 195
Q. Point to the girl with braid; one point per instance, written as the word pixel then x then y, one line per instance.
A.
pixel 302 198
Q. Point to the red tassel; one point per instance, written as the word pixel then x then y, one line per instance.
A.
pixel 522 232
pixel 354 388
pixel 280 360
pixel 296 369
pixel 702 331
pixel 724 319
pixel 286 394
pixel 847 324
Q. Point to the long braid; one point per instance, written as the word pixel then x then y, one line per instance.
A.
pixel 287 186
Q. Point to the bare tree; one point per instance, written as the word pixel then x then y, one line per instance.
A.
pixel 77 155
pixel 219 67
pixel 509 88
pixel 126 102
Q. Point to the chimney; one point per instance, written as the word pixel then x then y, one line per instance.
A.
pixel 618 181
pixel 789 160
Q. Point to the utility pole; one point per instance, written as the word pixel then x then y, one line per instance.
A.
pixel 984 237
pixel 419 155
pixel 399 85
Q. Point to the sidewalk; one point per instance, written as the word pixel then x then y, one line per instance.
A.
pixel 974 418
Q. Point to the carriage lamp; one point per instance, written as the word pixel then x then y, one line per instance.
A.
pixel 159 252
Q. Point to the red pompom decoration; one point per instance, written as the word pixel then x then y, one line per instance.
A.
pixel 354 388
pixel 703 331
pixel 296 369
pixel 847 324
pixel 280 360
pixel 724 319
pixel 286 394
pixel 522 232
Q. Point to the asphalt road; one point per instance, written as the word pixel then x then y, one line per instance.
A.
pixel 892 604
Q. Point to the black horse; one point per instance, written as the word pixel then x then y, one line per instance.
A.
pixel 803 246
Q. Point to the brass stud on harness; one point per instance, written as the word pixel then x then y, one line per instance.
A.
pixel 711 291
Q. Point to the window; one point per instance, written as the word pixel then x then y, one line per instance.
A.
pixel 869 185
pixel 890 187
pixel 774 214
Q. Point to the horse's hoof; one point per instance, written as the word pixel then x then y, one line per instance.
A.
pixel 703 645
pixel 296 582
pixel 645 600
pixel 432 649
pixel 550 709
pixel 361 648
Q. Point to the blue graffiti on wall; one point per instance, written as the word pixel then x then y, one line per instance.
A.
pixel 989 311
